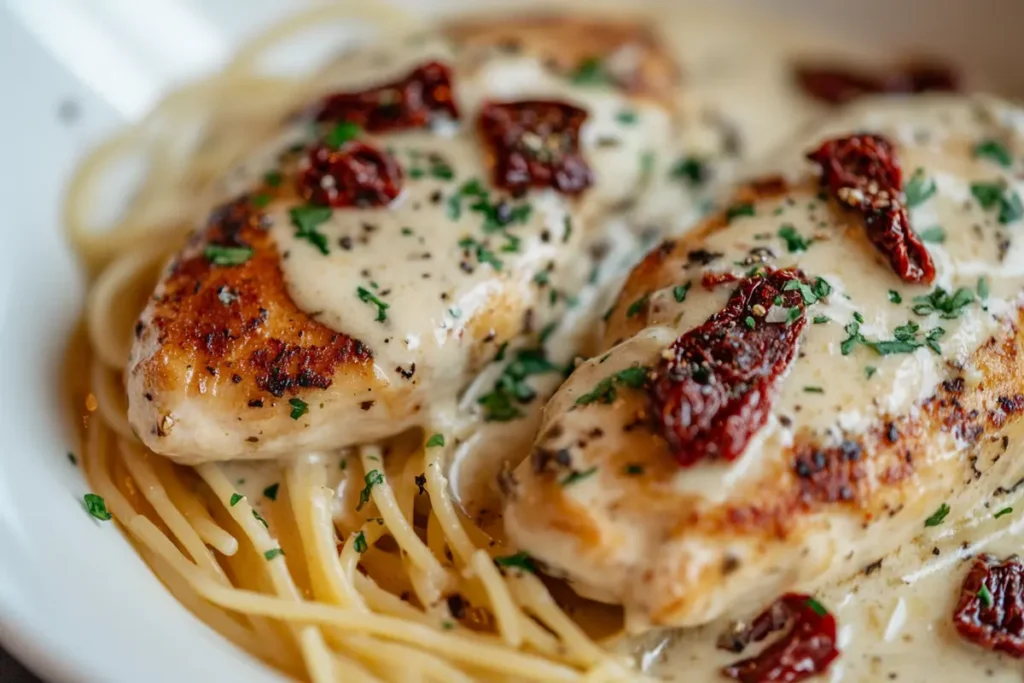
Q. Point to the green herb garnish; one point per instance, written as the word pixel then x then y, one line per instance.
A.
pixel 366 296
pixel 895 297
pixel 97 507
pixel 341 133
pixel 590 71
pixel 994 150
pixel 935 234
pixel 919 189
pixel 227 256
pixel 271 491
pixel 637 307
pixel 679 292
pixel 435 440
pixel 299 407
pixel 938 516
pixel 947 305
pixel 483 254
pixel 372 478
pixel 1004 511
pixel 692 170
pixel 605 391
pixel 985 596
pixel 272 553
pixel 306 219
pixel 737 210
pixel 359 541
pixel 794 240
pixel 575 476
pixel 235 497
pixel 520 560
pixel 998 194
pixel 818 608
pixel 510 389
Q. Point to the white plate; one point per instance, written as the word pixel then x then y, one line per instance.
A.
pixel 76 603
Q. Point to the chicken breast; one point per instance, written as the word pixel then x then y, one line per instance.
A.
pixel 430 204
pixel 804 383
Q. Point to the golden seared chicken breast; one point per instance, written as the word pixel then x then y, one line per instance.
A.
pixel 430 203
pixel 802 384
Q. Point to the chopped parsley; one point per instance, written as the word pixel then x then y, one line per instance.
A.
pixel 511 388
pixel 260 200
pixel 895 297
pixel 227 256
pixel 982 287
pixel 343 132
pixel 435 440
pixel 679 292
pixel 97 507
pixel 372 478
pixel 306 219
pixel 626 117
pixel 692 170
pixel 737 210
pixel 814 390
pixel 262 521
pixel 299 407
pixel 590 71
pixel 272 553
pixel 985 596
pixel 577 476
pixel 997 194
pixel 634 469
pixel 1004 511
pixel 72 459
pixel 869 371
pixel 821 319
pixel 947 305
pixel 935 234
pixel 994 150
pixel 794 240
pixel 749 322
pixel 366 296
pixel 919 189
pixel 906 339
pixel 605 391
pixel 938 516
pixel 810 293
pixel 273 178
pixel 271 491
pixel 520 560
pixel 483 254
pixel 638 306
pixel 359 541
pixel 235 497
pixel 817 607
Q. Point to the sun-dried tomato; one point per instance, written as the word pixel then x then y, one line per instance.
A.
pixel 715 384
pixel 837 84
pixel 863 173
pixel 535 143
pixel 990 612
pixel 355 174
pixel 807 648
pixel 411 102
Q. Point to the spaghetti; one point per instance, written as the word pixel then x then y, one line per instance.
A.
pixel 411 591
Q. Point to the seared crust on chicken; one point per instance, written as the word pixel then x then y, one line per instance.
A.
pixel 879 422
pixel 290 325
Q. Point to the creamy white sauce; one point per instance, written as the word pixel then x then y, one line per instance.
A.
pixel 894 619
pixel 895 622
